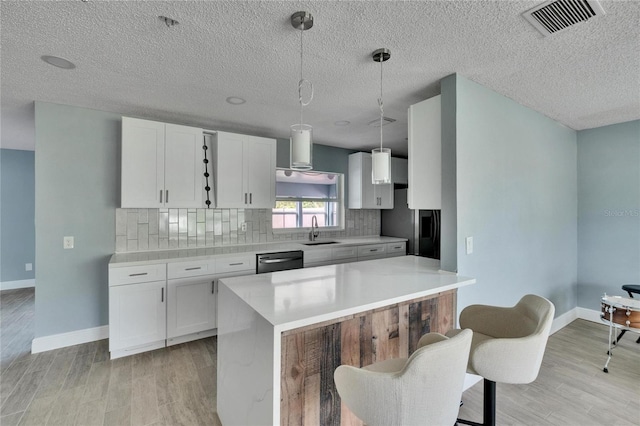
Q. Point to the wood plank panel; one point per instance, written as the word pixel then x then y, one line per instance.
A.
pixel 311 354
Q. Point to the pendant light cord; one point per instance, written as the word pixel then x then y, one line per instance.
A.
pixel 380 103
pixel 302 81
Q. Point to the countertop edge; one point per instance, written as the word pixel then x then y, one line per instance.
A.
pixel 191 254
pixel 367 307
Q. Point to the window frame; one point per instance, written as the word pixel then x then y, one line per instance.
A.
pixel 339 200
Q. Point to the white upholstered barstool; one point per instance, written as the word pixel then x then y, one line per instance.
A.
pixel 508 345
pixel 424 389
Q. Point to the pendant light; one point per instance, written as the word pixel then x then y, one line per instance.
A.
pixel 381 157
pixel 301 148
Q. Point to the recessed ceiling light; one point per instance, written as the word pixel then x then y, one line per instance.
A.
pixel 58 62
pixel 234 100
pixel 341 123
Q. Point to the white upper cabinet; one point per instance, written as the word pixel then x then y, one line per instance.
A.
pixel 161 165
pixel 245 171
pixel 425 163
pixel 363 194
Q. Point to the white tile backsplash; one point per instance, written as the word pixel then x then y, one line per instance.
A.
pixel 162 229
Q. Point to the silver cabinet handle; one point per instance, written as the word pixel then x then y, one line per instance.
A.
pixel 193 269
pixel 245 198
pixel 138 275
pixel 236 264
pixel 161 196
pixel 166 197
pixel 373 249
pixel 251 198
pixel 213 286
pixel 162 295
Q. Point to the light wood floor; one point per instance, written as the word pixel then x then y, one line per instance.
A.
pixel 177 385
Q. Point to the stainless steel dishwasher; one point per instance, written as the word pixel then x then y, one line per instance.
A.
pixel 281 261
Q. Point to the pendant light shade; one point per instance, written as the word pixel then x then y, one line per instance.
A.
pixel 301 140
pixel 381 166
pixel 301 147
pixel 381 157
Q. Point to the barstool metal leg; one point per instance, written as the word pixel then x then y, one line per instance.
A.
pixel 488 406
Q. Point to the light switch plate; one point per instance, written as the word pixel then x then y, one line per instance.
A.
pixel 28 266
pixel 469 244
pixel 244 226
pixel 67 242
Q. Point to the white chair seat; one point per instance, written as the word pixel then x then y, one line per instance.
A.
pixel 424 389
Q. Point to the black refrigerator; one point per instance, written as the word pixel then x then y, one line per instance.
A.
pixel 420 227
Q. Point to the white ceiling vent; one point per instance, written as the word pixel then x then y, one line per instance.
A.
pixel 385 121
pixel 556 15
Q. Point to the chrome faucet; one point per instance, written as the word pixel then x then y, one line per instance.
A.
pixel 314 232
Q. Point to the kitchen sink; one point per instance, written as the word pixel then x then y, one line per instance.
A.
pixel 319 243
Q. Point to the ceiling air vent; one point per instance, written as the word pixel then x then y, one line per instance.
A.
pixel 553 16
pixel 385 121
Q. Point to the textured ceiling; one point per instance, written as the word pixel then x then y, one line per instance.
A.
pixel 128 61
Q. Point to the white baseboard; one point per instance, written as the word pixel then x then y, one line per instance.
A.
pixel 12 285
pixel 564 320
pixel 57 341
pixel 589 314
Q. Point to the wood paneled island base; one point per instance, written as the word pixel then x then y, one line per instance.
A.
pixel 311 354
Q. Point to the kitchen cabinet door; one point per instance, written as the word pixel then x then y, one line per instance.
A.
pixel 142 177
pixel 425 155
pixel 137 317
pixel 245 170
pixel 191 305
pixel 260 166
pixel 363 194
pixel 229 170
pixel 161 165
pixel 183 169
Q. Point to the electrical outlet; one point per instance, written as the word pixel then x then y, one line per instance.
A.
pixel 67 243
pixel 244 226
pixel 28 266
pixel 469 244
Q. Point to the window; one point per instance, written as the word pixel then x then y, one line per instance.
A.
pixel 302 195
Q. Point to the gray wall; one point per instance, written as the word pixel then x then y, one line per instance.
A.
pixel 608 211
pixel 17 245
pixel 77 175
pixel 516 183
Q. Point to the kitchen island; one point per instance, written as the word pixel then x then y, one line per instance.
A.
pixel 281 335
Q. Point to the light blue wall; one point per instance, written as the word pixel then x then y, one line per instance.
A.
pixel 608 211
pixel 17 230
pixel 77 180
pixel 516 183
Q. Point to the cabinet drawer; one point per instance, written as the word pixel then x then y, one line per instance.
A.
pixel 236 263
pixel 345 252
pixel 397 249
pixel 191 269
pixel 371 250
pixel 317 255
pixel 137 274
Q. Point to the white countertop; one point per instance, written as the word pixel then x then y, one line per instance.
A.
pixel 180 255
pixel 296 298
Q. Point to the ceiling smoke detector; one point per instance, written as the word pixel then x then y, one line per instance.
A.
pixel 385 121
pixel 557 15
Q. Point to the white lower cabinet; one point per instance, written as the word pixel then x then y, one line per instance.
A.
pixel 396 249
pixel 372 251
pixel 191 308
pixel 137 318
